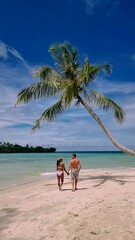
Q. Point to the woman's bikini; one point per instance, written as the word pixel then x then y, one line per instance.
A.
pixel 60 170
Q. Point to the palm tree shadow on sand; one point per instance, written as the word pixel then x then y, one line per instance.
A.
pixel 104 178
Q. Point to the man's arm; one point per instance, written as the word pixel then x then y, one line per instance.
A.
pixel 79 166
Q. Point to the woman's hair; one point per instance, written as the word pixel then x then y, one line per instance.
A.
pixel 59 160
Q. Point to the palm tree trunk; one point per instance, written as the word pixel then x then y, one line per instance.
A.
pixel 102 125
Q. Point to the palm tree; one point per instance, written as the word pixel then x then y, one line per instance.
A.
pixel 69 81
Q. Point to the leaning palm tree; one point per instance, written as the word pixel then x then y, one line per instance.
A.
pixel 69 81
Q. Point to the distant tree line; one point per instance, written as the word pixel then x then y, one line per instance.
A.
pixel 6 147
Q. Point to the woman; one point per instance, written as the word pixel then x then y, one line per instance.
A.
pixel 60 167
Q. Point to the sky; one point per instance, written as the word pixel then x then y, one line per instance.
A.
pixel 102 30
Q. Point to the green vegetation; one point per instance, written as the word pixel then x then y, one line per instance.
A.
pixel 15 148
pixel 71 81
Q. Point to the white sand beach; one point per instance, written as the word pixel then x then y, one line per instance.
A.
pixel 103 208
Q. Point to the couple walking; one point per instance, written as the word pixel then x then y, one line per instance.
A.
pixel 74 167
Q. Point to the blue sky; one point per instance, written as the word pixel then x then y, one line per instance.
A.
pixel 103 30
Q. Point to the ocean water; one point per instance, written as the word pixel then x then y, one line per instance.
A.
pixel 20 168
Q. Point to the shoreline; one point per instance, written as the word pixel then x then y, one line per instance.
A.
pixel 52 175
pixel 103 208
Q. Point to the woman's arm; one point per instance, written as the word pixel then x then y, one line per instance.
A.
pixel 65 169
pixel 69 168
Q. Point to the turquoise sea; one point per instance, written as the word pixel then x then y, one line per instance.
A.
pixel 20 168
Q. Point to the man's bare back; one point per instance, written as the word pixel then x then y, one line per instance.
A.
pixel 74 163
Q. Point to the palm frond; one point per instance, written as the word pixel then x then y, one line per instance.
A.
pixel 70 92
pixel 36 91
pixel 43 72
pixel 47 87
pixel 85 94
pixel 66 58
pixel 106 103
pixel 48 73
pixel 50 113
pixel 77 103
pixel 56 53
pixel 89 72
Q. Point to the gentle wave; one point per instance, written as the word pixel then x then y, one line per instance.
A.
pixel 86 170
pixel 47 173
pixel 82 170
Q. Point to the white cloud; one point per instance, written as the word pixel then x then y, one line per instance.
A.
pixel 3 51
pixel 92 5
pixel 109 87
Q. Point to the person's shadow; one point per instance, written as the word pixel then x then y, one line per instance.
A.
pixel 78 189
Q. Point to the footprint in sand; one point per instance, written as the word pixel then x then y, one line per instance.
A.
pixel 95 232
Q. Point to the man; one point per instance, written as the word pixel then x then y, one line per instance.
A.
pixel 75 167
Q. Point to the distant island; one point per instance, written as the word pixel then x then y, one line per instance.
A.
pixel 6 147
